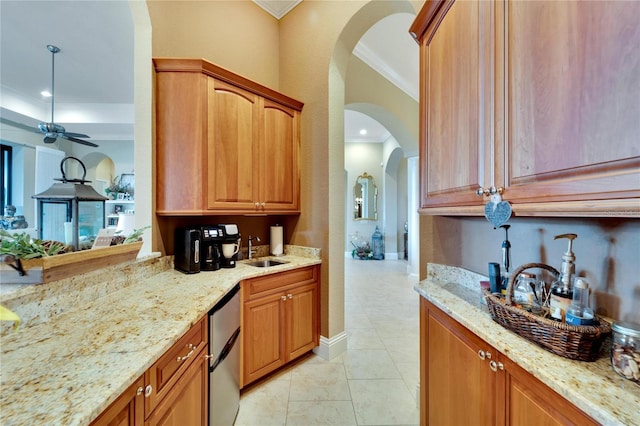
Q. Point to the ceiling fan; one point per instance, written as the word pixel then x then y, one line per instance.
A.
pixel 52 131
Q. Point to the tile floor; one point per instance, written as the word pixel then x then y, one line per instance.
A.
pixel 374 382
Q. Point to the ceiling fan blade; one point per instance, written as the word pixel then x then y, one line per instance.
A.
pixel 83 142
pixel 76 135
pixel 18 125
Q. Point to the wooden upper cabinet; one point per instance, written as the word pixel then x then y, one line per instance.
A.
pixel 181 130
pixel 234 117
pixel 279 173
pixel 573 100
pixel 540 98
pixel 224 144
pixel 456 101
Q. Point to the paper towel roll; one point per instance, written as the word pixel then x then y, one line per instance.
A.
pixel 276 240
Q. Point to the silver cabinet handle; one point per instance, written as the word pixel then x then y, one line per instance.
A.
pixel 263 204
pixel 495 366
pixel 488 355
pixel 257 204
pixel 147 391
pixel 481 354
pixel 140 391
pixel 209 356
pixel 290 296
pixel 187 356
pixel 284 298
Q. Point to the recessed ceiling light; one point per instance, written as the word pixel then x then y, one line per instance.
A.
pixel 46 93
pixel 363 132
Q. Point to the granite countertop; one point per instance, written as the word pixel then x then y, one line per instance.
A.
pixel 69 368
pixel 591 386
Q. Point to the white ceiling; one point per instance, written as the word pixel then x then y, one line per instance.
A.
pixel 94 69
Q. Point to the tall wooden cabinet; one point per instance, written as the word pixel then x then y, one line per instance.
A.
pixel 464 380
pixel 540 98
pixel 280 320
pixel 224 144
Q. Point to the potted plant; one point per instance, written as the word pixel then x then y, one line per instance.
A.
pixel 114 188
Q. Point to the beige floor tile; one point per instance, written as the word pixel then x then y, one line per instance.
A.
pixel 364 338
pixel 319 382
pixel 383 402
pixel 370 364
pixel 265 404
pixel 309 413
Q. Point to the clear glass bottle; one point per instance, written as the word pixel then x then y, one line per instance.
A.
pixel 579 312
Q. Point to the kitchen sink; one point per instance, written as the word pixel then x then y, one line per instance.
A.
pixel 265 263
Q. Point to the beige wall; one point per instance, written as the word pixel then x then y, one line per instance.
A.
pixel 236 35
pixel 392 108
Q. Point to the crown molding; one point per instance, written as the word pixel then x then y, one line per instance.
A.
pixel 277 8
pixel 369 57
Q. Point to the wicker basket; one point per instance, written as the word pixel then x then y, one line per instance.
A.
pixel 578 342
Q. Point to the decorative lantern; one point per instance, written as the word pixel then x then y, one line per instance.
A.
pixel 377 245
pixel 70 211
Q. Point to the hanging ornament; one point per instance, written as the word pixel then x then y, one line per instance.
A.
pixel 497 211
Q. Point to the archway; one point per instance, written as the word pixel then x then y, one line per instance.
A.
pixel 363 19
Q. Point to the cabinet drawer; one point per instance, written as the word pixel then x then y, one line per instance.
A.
pixel 167 370
pixel 276 282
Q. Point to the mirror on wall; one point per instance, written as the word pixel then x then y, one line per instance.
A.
pixel 365 198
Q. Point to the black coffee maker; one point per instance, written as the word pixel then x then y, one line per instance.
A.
pixel 229 246
pixel 187 250
pixel 210 248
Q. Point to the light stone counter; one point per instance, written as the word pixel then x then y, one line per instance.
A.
pixel 66 369
pixel 592 386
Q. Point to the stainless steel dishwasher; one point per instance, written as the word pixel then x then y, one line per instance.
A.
pixel 224 364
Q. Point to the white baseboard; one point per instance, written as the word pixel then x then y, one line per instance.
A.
pixel 333 347
pixel 389 256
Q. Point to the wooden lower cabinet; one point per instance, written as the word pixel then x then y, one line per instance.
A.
pixel 186 403
pixel 173 391
pixel 280 320
pixel 466 381
pixel 127 410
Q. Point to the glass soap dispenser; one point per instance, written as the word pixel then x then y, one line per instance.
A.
pixel 579 312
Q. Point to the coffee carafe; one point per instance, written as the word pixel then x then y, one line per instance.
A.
pixel 211 248
pixel 229 245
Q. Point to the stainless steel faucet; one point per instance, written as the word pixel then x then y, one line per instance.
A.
pixel 250 250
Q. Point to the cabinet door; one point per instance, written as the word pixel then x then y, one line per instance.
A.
pixel 181 129
pixel 232 163
pixel 530 401
pixel 302 320
pixel 460 386
pixel 279 163
pixel 573 90
pixel 457 115
pixel 165 372
pixel 127 410
pixel 263 336
pixel 187 402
